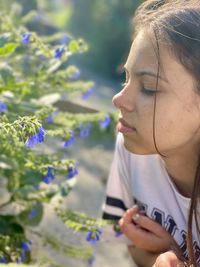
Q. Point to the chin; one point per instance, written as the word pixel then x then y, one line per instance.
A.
pixel 136 149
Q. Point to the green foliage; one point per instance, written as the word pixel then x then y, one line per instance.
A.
pixel 81 222
pixel 34 74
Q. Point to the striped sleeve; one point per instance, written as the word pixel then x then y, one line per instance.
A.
pixel 118 193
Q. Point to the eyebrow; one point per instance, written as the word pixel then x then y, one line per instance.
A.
pixel 149 73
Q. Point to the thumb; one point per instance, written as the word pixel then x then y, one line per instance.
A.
pixel 168 259
pixel 128 215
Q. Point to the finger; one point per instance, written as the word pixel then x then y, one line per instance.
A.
pixel 156 229
pixel 168 259
pixel 145 233
pixel 141 238
pixel 145 222
pixel 150 225
pixel 130 213
pixel 145 239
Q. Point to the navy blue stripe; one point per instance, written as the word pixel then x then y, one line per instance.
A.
pixel 115 202
pixel 108 216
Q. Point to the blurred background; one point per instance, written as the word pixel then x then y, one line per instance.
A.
pixel 106 27
pixel 104 24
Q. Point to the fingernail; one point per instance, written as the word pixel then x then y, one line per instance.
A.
pixel 136 217
pixel 135 206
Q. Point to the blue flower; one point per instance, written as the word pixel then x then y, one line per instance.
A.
pixel 72 171
pixel 50 118
pixel 74 76
pixel 93 237
pixel 118 233
pixel 50 176
pixel 41 134
pixel 23 257
pixel 70 141
pixel 85 130
pixel 91 260
pixel 3 259
pixel 25 246
pixel 26 38
pixel 105 123
pixel 65 40
pixel 87 94
pixel 32 214
pixel 58 52
pixel 36 138
pixel 3 107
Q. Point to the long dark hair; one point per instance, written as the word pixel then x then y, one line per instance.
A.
pixel 177 24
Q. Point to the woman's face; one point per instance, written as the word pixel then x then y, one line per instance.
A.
pixel 177 113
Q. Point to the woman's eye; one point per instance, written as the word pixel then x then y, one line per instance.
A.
pixel 148 92
pixel 126 78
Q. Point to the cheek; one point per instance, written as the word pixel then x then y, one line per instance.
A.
pixel 145 116
pixel 175 126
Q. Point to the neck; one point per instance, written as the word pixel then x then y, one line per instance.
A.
pixel 182 171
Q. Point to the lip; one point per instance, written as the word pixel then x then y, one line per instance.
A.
pixel 124 127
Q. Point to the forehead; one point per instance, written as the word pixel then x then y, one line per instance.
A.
pixel 143 55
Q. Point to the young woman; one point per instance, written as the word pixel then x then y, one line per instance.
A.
pixel 154 182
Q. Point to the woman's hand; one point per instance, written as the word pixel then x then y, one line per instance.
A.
pixel 142 257
pixel 168 259
pixel 145 233
pixel 148 259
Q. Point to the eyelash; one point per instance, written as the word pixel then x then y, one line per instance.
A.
pixel 148 92
pixel 143 90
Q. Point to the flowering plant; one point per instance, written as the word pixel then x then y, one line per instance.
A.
pixel 34 75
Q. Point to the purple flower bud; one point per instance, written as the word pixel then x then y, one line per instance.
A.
pixel 105 123
pixel 87 94
pixel 32 214
pixel 23 257
pixel 32 141
pixel 36 138
pixel 3 259
pixel 58 52
pixel 50 176
pixel 72 171
pixel 50 118
pixel 118 233
pixel 70 141
pixel 41 134
pixel 25 246
pixel 3 107
pixel 91 260
pixel 93 237
pixel 85 130
pixel 26 38
pixel 65 40
pixel 75 75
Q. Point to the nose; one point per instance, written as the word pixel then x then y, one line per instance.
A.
pixel 124 100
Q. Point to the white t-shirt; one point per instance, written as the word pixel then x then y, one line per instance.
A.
pixel 143 180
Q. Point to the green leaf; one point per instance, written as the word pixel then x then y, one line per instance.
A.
pixel 8 225
pixel 4 39
pixel 73 46
pixel 7 49
pixel 16 265
pixel 7 75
